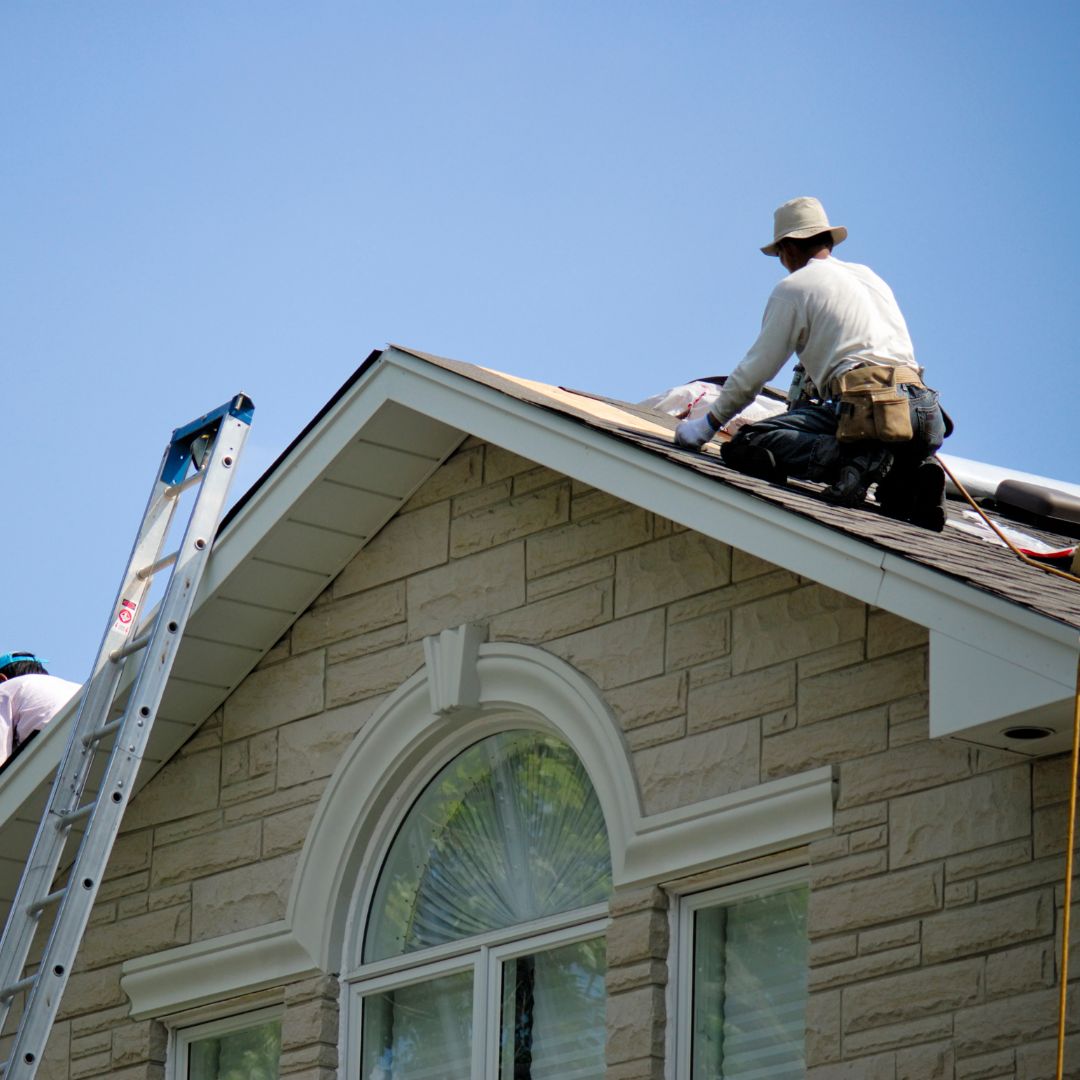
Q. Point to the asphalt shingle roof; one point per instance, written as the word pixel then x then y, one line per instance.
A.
pixel 963 557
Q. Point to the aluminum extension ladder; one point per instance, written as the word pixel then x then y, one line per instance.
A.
pixel 208 448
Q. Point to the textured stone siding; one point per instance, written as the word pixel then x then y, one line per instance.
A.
pixel 934 910
pixel 933 906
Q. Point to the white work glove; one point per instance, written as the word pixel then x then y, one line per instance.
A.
pixel 694 434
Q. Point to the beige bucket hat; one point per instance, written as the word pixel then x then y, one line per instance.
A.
pixel 800 218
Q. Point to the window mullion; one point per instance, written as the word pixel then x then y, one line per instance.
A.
pixel 684 987
pixel 486 1009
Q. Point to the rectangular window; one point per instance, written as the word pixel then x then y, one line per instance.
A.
pixel 553 1007
pixel 527 1007
pixel 244 1047
pixel 420 1031
pixel 744 965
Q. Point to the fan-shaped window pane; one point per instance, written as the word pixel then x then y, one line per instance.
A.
pixel 509 831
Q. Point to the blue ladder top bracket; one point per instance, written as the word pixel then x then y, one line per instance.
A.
pixel 178 456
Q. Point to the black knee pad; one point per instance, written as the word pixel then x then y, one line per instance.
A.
pixel 743 454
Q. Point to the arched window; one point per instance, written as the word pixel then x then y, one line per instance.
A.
pixel 483 953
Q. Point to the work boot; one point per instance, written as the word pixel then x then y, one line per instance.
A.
pixel 856 476
pixel 896 492
pixel 928 497
pixel 753 460
pixel 849 488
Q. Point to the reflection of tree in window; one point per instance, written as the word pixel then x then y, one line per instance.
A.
pixel 750 965
pixel 249 1054
pixel 553 1014
pixel 508 832
pixel 419 1031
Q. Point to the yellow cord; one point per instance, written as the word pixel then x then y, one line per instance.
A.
pixel 1001 536
pixel 1063 993
pixel 1074 772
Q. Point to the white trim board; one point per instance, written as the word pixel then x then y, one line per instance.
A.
pixel 387 765
pixel 207 971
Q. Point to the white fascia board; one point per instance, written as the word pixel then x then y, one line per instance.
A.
pixel 650 481
pixel 182 978
pixel 743 825
pixel 860 570
pixel 921 595
pixel 343 424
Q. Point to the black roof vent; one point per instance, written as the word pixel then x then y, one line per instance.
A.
pixel 1038 505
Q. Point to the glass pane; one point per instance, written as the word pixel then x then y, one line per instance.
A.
pixel 249 1054
pixel 750 964
pixel 553 1014
pixel 509 831
pixel 419 1031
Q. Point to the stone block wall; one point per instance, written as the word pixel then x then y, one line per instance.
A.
pixel 933 906
pixel 934 918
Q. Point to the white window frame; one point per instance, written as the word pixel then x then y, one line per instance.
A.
pixel 683 945
pixel 181 1038
pixel 478 953
pixel 483 955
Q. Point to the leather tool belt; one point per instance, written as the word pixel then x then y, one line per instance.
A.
pixel 872 404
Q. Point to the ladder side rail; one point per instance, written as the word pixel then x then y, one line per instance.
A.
pixel 100 691
pixel 91 860
pixel 49 843
pixel 102 687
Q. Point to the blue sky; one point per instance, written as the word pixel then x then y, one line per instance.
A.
pixel 200 198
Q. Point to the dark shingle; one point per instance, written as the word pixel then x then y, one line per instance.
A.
pixel 966 558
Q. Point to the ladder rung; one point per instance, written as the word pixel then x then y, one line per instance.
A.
pixel 178 489
pixel 39 906
pixel 210 445
pixel 133 646
pixel 69 817
pixel 161 564
pixel 23 984
pixel 99 733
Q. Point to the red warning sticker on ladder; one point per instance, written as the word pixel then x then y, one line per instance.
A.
pixel 125 616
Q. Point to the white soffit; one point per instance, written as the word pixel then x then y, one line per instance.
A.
pixel 978 696
pixel 338 486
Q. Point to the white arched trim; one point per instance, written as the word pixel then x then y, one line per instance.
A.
pixel 404 744
pixel 468 690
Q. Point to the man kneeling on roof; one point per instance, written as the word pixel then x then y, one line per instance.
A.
pixel 866 416
pixel 29 698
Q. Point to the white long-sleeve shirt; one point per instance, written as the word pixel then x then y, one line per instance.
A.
pixel 29 702
pixel 833 315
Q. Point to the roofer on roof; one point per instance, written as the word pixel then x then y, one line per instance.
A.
pixel 29 698
pixel 866 417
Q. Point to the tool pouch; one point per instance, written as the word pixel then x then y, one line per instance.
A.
pixel 872 405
